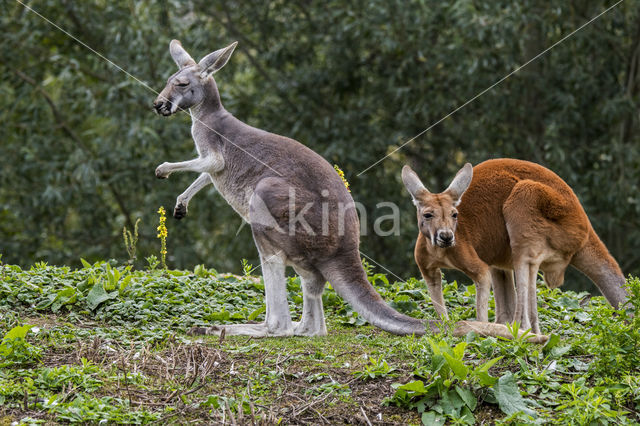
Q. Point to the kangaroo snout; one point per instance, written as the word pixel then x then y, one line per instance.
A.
pixel 162 106
pixel 445 239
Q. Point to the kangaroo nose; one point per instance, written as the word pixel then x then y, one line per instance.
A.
pixel 157 104
pixel 446 238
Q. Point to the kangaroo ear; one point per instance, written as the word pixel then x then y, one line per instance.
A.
pixel 412 182
pixel 460 183
pixel 218 59
pixel 179 55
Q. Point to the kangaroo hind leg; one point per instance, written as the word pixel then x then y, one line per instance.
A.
pixel 504 293
pixel 277 317
pixel 312 321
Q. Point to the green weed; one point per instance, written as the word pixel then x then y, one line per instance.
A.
pixel 377 367
pixel 14 348
pixel 131 241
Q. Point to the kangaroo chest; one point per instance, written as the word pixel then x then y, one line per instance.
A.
pixel 211 151
pixel 235 195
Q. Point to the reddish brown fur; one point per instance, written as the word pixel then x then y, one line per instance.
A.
pixel 516 215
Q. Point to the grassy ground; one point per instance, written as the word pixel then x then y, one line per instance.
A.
pixel 105 343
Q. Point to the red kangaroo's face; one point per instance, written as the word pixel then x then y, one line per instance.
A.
pixel 437 214
pixel 437 219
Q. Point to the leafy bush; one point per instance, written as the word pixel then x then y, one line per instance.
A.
pixel 377 367
pixel 450 384
pixel 14 348
pixel 616 340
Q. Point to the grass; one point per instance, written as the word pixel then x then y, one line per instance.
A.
pixel 108 343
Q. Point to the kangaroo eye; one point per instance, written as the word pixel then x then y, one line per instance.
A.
pixel 427 215
pixel 455 215
pixel 182 84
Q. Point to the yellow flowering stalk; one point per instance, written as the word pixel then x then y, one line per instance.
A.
pixel 162 234
pixel 341 174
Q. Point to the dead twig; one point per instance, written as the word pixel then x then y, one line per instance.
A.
pixel 365 416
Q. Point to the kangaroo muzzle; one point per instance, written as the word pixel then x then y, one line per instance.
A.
pixel 163 106
pixel 445 239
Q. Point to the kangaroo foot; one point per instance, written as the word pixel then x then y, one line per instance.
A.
pixel 254 330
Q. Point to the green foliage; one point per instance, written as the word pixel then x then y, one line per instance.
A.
pixel 438 378
pixel 84 409
pixel 377 367
pixel 616 341
pixel 508 395
pixel 131 241
pixel 246 267
pixel 14 348
pixel 587 406
pixel 177 299
pixel 447 391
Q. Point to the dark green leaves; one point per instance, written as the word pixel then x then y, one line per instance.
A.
pixel 97 295
pixel 508 395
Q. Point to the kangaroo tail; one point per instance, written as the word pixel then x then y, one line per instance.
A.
pixel 349 280
pixel 594 260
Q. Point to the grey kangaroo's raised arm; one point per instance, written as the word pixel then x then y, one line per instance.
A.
pixel 282 189
pixel 182 202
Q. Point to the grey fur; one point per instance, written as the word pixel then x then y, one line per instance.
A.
pixel 257 172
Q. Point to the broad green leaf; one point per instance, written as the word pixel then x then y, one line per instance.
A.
pixel 508 395
pixel 554 339
pixel 467 415
pixel 437 364
pixel 253 315
pixel 485 379
pixel 468 397
pixel 457 366
pixel 451 403
pixel 63 297
pixel 18 332
pixel 558 351
pixel 487 365
pixel 458 350
pixel 97 295
pixel 431 418
pixel 434 346
pixel 417 387
pixel 124 283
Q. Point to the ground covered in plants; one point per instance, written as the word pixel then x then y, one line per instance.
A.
pixel 106 343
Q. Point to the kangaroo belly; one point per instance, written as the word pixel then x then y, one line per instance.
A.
pixel 235 195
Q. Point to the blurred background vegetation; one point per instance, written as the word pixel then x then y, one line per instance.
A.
pixel 352 80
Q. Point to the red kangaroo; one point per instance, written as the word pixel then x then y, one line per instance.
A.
pixel 508 215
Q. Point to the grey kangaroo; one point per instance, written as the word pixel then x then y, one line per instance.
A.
pixel 300 212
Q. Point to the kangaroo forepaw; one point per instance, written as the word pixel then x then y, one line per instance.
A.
pixel 162 172
pixel 179 211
